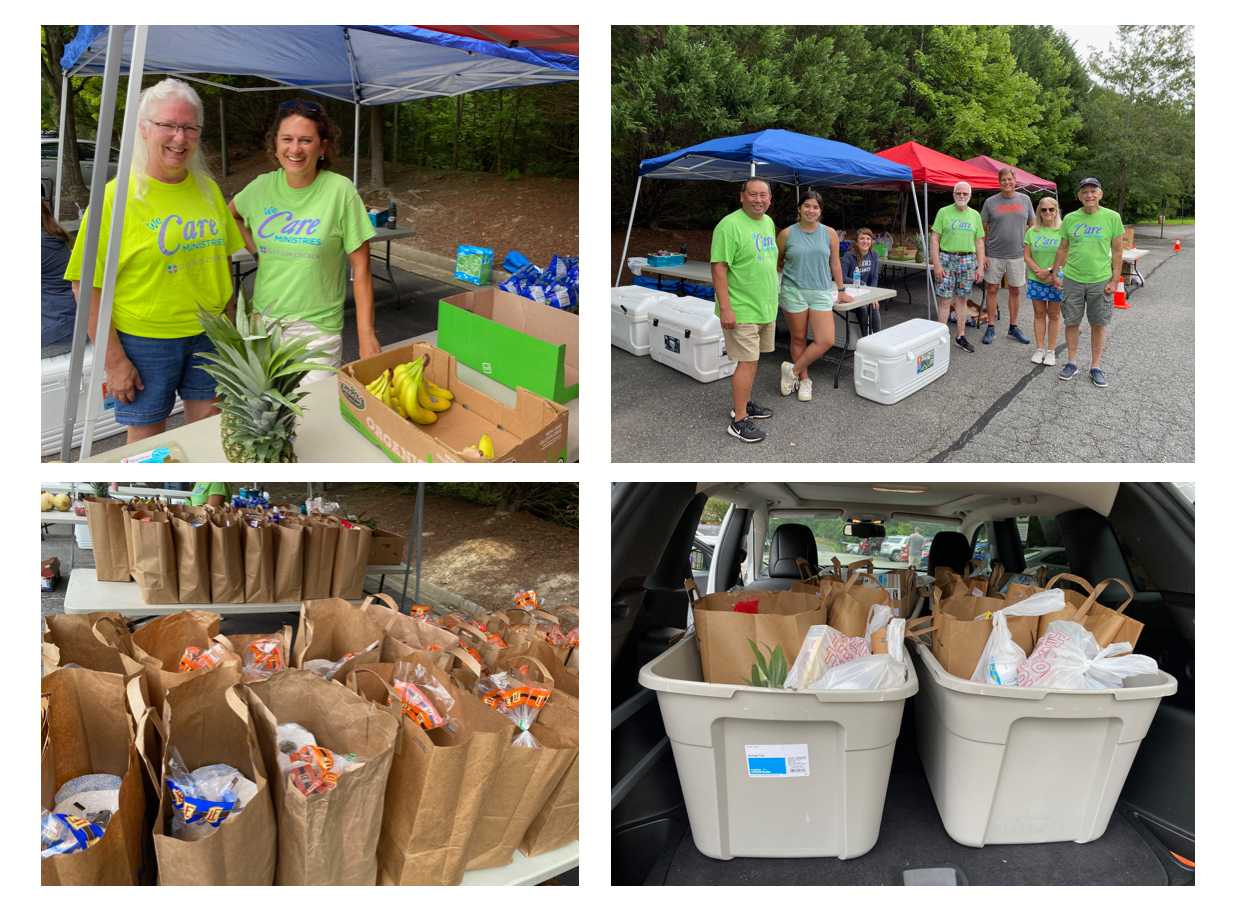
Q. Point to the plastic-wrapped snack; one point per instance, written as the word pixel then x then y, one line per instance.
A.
pixel 203 800
pixel 263 657
pixel 195 659
pixel 517 696
pixel 315 769
pixel 326 668
pixel 527 600
pixel 66 833
pixel 493 638
pixel 424 700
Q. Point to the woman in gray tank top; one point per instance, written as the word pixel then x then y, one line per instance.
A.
pixel 812 280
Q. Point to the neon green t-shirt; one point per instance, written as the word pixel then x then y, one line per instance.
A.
pixel 1090 239
pixel 958 229
pixel 749 249
pixel 304 236
pixel 1044 244
pixel 174 256
pixel 204 491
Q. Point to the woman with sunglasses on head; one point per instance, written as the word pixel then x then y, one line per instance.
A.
pixel 174 258
pixel 308 225
pixel 1040 246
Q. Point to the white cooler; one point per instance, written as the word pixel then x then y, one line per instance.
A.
pixel 629 318
pixel 685 334
pixel 899 361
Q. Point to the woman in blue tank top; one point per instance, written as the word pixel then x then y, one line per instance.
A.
pixel 812 280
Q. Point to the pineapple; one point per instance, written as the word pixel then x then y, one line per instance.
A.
pixel 257 370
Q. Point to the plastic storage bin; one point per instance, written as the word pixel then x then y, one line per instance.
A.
pixel 899 361
pixel 777 773
pixel 665 260
pixel 629 317
pixel 1028 765
pixel 685 334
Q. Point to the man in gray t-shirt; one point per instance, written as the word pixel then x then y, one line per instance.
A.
pixel 1006 217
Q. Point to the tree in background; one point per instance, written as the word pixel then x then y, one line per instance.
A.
pixel 73 187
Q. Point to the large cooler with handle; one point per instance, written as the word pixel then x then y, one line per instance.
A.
pixel 629 317
pixel 685 334
pixel 777 773
pixel 1028 764
pixel 899 361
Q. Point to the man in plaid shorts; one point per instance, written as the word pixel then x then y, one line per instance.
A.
pixel 957 256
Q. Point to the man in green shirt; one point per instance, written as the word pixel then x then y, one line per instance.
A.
pixel 1089 259
pixel 956 252
pixel 744 263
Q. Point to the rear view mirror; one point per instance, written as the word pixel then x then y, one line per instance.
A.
pixel 865 530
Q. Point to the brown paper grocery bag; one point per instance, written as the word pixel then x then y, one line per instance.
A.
pixel 207 722
pixel 193 559
pixel 403 633
pixel 850 604
pixel 259 539
pixel 289 560
pixel 160 645
pixel 782 619
pixel 331 628
pixel 958 643
pixel 438 779
pixel 566 680
pixel 525 779
pixel 1106 624
pixel 100 641
pixel 321 535
pixel 969 607
pixel 106 518
pixel 332 837
pixel 558 823
pixel 352 552
pixel 227 559
pixel 154 556
pixel 89 731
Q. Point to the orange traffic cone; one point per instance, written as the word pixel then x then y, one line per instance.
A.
pixel 1177 245
pixel 1119 296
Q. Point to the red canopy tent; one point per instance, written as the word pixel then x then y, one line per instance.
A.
pixel 938 170
pixel 562 38
pixel 1025 180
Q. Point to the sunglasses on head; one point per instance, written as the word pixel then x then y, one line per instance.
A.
pixel 300 105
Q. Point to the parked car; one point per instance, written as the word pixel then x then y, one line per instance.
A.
pixel 892 546
pixel 85 155
pixel 1139 532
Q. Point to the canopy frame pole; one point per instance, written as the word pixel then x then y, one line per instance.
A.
pixel 98 181
pixel 414 546
pixel 107 294
pixel 356 97
pixel 64 92
pixel 928 261
pixel 623 258
pixel 223 138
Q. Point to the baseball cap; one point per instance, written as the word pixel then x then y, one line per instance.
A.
pixel 1089 183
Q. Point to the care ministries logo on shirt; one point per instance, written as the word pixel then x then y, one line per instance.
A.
pixel 284 226
pixel 175 234
pixel 961 225
pixel 764 245
pixel 1087 231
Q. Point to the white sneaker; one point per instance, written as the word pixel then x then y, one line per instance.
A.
pixel 1038 357
pixel 787 383
pixel 1050 358
pixel 805 389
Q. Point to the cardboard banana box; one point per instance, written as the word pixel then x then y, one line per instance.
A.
pixel 535 430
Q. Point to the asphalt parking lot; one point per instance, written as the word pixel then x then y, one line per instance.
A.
pixel 993 405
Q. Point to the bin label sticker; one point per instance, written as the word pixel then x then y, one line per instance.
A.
pixel 782 761
pixel 670 343
pixel 924 362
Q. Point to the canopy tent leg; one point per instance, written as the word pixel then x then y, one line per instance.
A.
pixel 223 139
pixel 128 136
pixel 98 181
pixel 356 142
pixel 631 216
pixel 414 546
pixel 928 266
pixel 64 93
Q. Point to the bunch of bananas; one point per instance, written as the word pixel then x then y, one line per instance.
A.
pixel 407 391
pixel 483 449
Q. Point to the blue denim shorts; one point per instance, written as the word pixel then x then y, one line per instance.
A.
pixel 167 367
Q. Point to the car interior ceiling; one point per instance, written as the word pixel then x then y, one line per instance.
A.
pixel 1140 533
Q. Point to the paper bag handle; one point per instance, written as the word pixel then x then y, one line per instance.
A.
pixel 469 661
pixel 540 667
pixel 144 716
pixel 382 597
pixel 1070 577
pixel 694 594
pixel 806 573
pixel 859 577
pixel 1100 587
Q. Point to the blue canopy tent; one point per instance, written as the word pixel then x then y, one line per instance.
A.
pixel 776 155
pixel 365 65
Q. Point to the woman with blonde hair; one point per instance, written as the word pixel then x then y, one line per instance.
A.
pixel 1040 245
pixel 175 252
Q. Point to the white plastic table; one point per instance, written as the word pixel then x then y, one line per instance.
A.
pixel 323 434
pixel 523 870
pixel 695 271
pixel 908 268
pixel 85 593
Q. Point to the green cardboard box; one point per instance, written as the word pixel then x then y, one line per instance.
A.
pixel 515 341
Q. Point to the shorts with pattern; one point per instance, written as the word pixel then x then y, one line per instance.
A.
pixel 960 273
pixel 1043 292
pixel 1079 299
pixel 746 342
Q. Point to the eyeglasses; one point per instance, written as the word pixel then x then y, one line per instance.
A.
pixel 1048 209
pixel 189 130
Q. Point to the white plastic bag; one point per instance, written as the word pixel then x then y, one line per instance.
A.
pixel 871 672
pixel 879 617
pixel 1068 657
pixel 999 662
pixel 823 648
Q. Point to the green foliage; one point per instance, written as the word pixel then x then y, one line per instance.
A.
pixel 714 511
pixel 770 667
